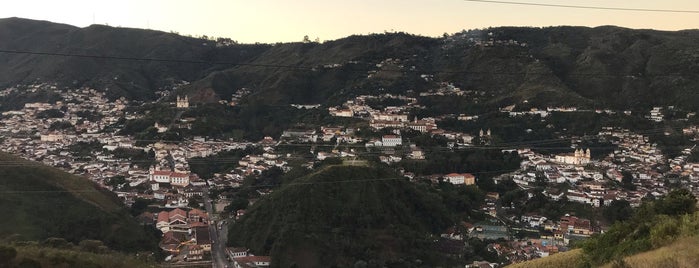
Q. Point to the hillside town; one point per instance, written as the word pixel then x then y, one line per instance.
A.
pixel 80 133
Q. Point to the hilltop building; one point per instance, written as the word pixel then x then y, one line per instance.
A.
pixel 182 102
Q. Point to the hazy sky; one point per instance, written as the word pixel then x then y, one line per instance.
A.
pixel 289 20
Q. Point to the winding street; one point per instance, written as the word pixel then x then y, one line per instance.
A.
pixel 218 237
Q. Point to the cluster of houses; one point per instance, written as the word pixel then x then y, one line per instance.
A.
pixel 91 118
pixel 186 234
pixel 252 164
pixel 238 95
pixel 634 155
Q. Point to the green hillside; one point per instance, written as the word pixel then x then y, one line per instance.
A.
pixel 43 202
pixel 34 255
pixel 682 253
pixel 342 215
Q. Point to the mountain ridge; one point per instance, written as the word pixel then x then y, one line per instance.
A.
pixel 600 67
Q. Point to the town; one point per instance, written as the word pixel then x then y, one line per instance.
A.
pixel 81 134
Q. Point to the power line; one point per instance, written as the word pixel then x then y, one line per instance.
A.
pixel 586 7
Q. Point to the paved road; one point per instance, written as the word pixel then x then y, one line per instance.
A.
pixel 218 237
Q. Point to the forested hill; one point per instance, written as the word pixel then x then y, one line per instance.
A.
pixel 343 215
pixel 595 67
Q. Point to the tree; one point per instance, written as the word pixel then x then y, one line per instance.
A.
pixel 236 204
pixel 116 181
pixel 57 242
pixel 194 201
pixel 50 113
pixel 677 202
pixel 627 181
pixel 306 39
pixel 94 246
pixel 618 210
pixel 7 254
pixel 139 206
pixel 29 263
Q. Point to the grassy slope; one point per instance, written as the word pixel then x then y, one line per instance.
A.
pixel 43 202
pixel 53 257
pixel 681 253
pixel 567 259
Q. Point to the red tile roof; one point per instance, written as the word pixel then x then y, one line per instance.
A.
pixel 253 259
pixel 179 175
pixel 198 212
pixel 178 212
pixel 163 216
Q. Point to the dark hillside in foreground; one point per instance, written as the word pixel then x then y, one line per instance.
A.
pixel 342 215
pixel 43 202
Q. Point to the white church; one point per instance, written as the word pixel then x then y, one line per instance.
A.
pixel 182 102
pixel 579 157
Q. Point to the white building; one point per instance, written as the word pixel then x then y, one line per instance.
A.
pixel 52 137
pixel 182 102
pixel 460 178
pixel 391 140
pixel 174 178
pixel 579 157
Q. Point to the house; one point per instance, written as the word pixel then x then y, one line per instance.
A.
pixel 582 227
pixel 252 262
pixel 164 176
pixel 172 240
pixel 460 178
pixel 533 220
pixel 196 215
pixel 195 253
pixel 159 176
pixel 52 137
pixel 391 140
pixel 179 179
pixel 235 253
pixel 203 237
pixel 179 220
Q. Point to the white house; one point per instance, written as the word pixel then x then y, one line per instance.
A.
pixel 391 140
pixel 460 178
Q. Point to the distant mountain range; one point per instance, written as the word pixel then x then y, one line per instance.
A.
pixel 595 67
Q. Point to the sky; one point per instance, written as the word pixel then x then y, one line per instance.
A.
pixel 268 21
